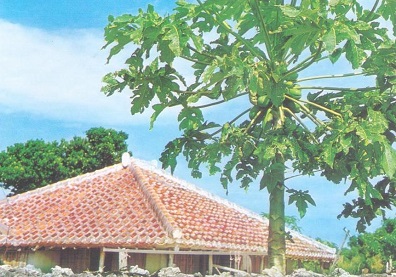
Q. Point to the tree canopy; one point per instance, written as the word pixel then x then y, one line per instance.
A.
pixel 36 163
pixel 371 250
pixel 254 99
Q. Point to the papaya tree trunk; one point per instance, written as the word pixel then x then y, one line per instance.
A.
pixel 276 236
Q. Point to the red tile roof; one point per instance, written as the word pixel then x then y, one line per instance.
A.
pixel 137 207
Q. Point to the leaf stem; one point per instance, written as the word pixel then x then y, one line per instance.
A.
pixel 368 17
pixel 330 76
pixel 298 175
pixel 201 53
pixel 307 62
pixel 313 104
pixel 194 61
pixel 263 27
pixel 253 121
pixel 231 122
pixel 340 89
pixel 192 92
pixel 301 123
pixel 309 114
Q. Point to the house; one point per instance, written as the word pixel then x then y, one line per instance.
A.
pixel 135 214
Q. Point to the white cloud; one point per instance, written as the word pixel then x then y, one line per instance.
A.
pixel 58 75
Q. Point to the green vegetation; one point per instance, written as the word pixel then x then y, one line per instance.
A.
pixel 36 163
pixel 250 104
pixel 370 250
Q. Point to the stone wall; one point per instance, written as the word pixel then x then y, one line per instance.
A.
pixel 31 271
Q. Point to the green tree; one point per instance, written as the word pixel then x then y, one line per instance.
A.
pixel 255 61
pixel 36 163
pixel 328 243
pixel 373 250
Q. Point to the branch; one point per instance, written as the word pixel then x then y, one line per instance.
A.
pixel 331 76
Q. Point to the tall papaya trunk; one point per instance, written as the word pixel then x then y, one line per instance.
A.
pixel 276 236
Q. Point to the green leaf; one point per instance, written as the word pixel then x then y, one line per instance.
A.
pixel 354 54
pixel 329 154
pixel 388 161
pixel 289 11
pixel 173 36
pixel 301 207
pixel 171 152
pixel 335 55
pixel 301 198
pixel 158 108
pixel 190 119
pixel 330 40
pixel 198 42
pixel 209 71
pixel 272 176
pixel 334 2
pixel 310 200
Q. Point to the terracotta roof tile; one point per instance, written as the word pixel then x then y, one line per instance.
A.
pixel 137 206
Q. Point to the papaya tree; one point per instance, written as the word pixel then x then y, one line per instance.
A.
pixel 255 97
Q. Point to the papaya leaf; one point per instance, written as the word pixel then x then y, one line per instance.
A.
pixel 388 161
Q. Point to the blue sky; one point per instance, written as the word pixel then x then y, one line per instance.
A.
pixel 51 65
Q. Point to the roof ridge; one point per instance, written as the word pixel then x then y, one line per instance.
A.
pixel 313 241
pixel 159 209
pixel 194 188
pixel 150 166
pixel 73 180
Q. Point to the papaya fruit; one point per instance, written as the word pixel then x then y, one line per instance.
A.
pixel 263 101
pixel 253 98
pixel 289 84
pixel 295 92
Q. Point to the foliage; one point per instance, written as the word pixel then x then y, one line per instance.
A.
pixel 249 105
pixel 314 266
pixel 36 163
pixel 354 264
pixel 371 250
pixel 328 243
